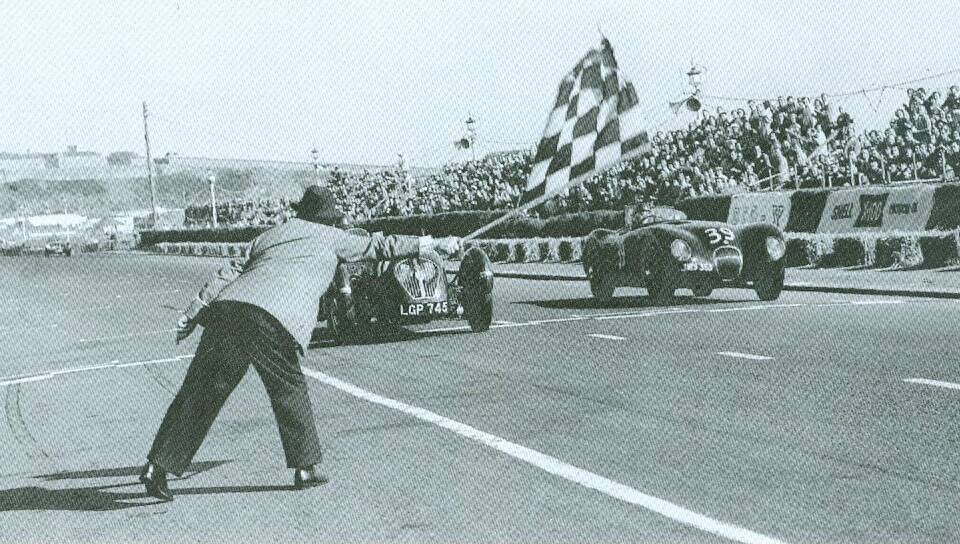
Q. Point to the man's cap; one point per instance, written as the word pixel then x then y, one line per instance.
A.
pixel 319 205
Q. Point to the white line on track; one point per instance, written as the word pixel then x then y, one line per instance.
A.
pixel 935 383
pixel 667 311
pixel 153 361
pixel 26 379
pixel 12 380
pixel 555 466
pixel 123 336
pixel 630 315
pixel 556 320
pixel 606 336
pixel 738 355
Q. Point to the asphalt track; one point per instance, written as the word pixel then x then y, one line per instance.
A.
pixel 815 418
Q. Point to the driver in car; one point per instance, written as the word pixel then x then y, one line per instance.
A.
pixel 261 312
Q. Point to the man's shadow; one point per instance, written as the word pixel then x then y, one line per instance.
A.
pixel 111 497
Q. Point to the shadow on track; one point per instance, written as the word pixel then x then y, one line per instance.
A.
pixel 382 334
pixel 102 498
pixel 96 499
pixel 85 499
pixel 620 303
pixel 119 472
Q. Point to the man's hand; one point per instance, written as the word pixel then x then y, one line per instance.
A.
pixel 447 246
pixel 185 327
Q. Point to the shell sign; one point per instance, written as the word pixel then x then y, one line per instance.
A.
pixel 877 209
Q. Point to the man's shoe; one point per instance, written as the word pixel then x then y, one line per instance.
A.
pixel 154 479
pixel 307 477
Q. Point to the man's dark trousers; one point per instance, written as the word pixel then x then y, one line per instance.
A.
pixel 235 336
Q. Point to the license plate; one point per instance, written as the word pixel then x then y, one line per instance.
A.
pixel 427 308
pixel 698 267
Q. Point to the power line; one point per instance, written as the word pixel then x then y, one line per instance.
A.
pixel 844 94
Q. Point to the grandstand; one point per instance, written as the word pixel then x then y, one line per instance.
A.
pixel 767 145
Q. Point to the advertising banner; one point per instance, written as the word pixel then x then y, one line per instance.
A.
pixel 773 208
pixel 877 209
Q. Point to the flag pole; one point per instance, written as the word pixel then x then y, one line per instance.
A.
pixel 509 215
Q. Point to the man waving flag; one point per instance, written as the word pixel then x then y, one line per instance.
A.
pixel 594 124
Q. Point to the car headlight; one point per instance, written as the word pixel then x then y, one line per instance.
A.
pixel 680 250
pixel 775 248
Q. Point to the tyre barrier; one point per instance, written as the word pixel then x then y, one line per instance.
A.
pixel 932 249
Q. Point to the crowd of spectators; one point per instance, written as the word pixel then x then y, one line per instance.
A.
pixel 240 213
pixel 768 145
pixel 922 141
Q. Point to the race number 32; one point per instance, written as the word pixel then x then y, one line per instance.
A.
pixel 716 236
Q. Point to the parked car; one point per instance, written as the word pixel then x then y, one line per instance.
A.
pixel 408 291
pixel 668 252
pixel 58 247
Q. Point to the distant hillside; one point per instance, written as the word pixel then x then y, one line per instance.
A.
pixel 99 190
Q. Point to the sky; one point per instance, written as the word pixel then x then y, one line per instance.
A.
pixel 362 81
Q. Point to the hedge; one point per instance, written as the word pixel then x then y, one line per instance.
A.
pixel 443 224
pixel 940 249
pixel 880 250
pixel 464 223
pixel 219 235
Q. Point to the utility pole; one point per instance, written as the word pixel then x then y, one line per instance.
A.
pixel 213 198
pixel 153 186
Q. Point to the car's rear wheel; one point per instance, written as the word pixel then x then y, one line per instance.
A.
pixel 770 283
pixel 602 286
pixel 480 312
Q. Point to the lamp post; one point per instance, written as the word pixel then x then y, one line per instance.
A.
pixel 213 198
pixel 695 77
pixel 472 136
pixel 315 154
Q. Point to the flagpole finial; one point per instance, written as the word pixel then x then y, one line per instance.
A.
pixel 603 37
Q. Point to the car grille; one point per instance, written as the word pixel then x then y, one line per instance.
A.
pixel 420 278
pixel 729 262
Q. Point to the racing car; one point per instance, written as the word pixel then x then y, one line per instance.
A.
pixel 669 252
pixel 405 292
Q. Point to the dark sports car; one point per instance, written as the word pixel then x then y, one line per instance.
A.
pixel 407 291
pixel 668 252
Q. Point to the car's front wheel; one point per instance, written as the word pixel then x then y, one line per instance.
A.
pixel 341 329
pixel 602 286
pixel 770 283
pixel 659 280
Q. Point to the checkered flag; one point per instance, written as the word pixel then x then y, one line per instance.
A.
pixel 595 123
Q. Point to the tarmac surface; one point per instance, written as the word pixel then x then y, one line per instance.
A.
pixel 820 417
